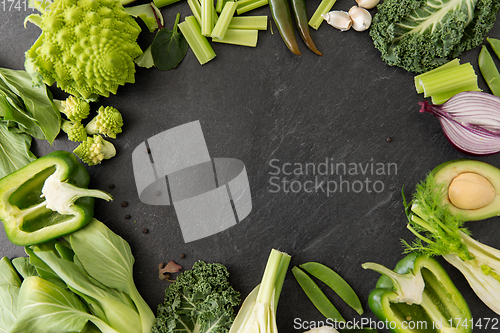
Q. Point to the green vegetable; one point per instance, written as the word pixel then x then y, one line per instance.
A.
pixel 421 35
pixel 226 15
pixel 200 300
pixel 439 232
pixel 207 17
pixel 108 122
pixel 324 7
pixel 197 42
pixel 148 13
pixel 248 5
pixel 418 294
pixel 489 71
pixel 169 47
pixel 317 297
pixel 446 81
pixel 335 282
pixel 87 47
pixel 15 149
pixel 249 22
pixel 258 311
pixel 282 16
pixel 94 150
pixel 300 13
pixel 47 199
pixel 242 37
pixel 75 130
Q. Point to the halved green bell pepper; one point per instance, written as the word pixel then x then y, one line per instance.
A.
pixel 47 199
pixel 418 296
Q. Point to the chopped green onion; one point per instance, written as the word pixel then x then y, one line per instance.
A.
pixel 197 42
pixel 324 7
pixel 207 20
pixel 225 18
pixel 249 22
pixel 239 37
pixel 248 5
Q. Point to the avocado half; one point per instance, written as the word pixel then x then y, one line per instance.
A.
pixel 446 172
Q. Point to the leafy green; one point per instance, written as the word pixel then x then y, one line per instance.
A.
pixel 200 300
pixel 146 59
pixel 14 149
pixel 169 47
pixel 8 306
pixel 419 35
pixel 147 13
pixel 23 267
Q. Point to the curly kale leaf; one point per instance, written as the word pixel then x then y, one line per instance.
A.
pixel 199 301
pixel 419 35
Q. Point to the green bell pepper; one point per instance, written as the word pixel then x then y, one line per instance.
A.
pixel 47 199
pixel 418 296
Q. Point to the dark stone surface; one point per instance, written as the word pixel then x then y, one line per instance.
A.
pixel 261 105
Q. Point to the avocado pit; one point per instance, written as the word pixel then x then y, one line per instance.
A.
pixel 470 190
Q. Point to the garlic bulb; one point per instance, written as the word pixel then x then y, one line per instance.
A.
pixel 338 19
pixel 367 4
pixel 361 18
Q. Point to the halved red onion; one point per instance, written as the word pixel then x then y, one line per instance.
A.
pixel 470 120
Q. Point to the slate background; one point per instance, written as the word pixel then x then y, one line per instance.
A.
pixel 264 103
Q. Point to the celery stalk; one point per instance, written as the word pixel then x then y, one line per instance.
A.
pixel 225 18
pixel 441 98
pixel 219 5
pixel 449 79
pixel 207 21
pixel 324 7
pixel 195 7
pixel 249 22
pixel 418 79
pixel 163 3
pixel 239 37
pixel 197 42
pixel 248 5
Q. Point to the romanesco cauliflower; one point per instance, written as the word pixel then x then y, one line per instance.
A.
pixel 108 122
pixel 86 46
pixel 95 149
pixel 75 109
pixel 75 130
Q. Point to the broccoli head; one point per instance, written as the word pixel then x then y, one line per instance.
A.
pixel 75 109
pixel 75 130
pixel 419 35
pixel 86 46
pixel 200 300
pixel 95 149
pixel 108 122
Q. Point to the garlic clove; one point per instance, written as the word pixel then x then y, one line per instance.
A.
pixel 367 4
pixel 338 19
pixel 361 18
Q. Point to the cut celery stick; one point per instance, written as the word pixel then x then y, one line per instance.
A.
pixel 207 21
pixel 248 5
pixel 219 5
pixel 249 22
pixel 423 76
pixel 441 98
pixel 239 37
pixel 222 24
pixel 324 7
pixel 195 7
pixel 197 42
pixel 449 79
pixel 163 3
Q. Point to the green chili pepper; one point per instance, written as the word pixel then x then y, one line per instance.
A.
pixel 335 282
pixel 489 71
pixel 418 294
pixel 317 297
pixel 280 10
pixel 300 12
pixel 47 199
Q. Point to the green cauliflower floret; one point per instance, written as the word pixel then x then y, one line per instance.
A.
pixel 75 130
pixel 86 46
pixel 95 149
pixel 200 298
pixel 75 109
pixel 108 122
pixel 419 35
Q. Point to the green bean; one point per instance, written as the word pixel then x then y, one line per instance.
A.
pixel 489 71
pixel 336 282
pixel 317 297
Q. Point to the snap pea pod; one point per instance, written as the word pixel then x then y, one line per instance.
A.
pixel 336 282
pixel 317 297
pixel 495 45
pixel 489 71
